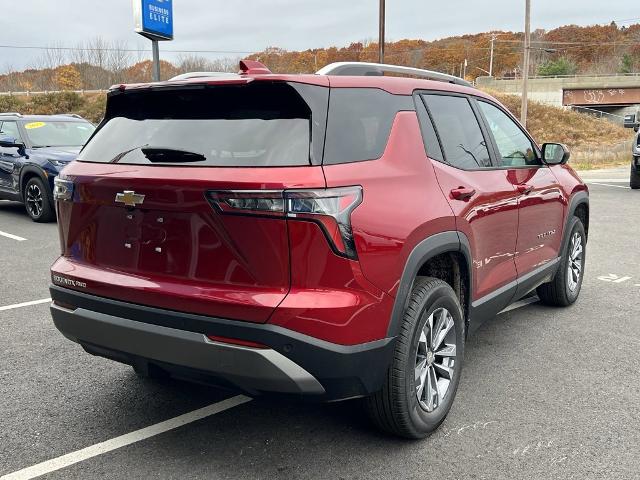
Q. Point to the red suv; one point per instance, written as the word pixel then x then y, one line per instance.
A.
pixel 334 236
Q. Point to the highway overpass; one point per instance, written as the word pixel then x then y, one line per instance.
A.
pixel 614 95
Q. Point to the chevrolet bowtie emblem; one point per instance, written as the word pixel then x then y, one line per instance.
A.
pixel 129 198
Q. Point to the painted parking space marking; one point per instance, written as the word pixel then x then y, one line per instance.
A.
pixel 606 180
pixel 619 279
pixel 11 236
pixel 613 278
pixel 608 185
pixel 124 440
pixel 25 304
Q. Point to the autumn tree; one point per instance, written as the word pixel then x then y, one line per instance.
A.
pixel 67 77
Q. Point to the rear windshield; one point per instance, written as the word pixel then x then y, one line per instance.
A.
pixel 254 125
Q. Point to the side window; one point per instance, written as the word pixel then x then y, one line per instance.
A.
pixel 10 129
pixel 515 148
pixel 359 124
pixel 462 141
pixel 429 137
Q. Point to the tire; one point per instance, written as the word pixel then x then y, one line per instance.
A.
pixel 564 290
pixel 36 201
pixel 634 181
pixel 396 409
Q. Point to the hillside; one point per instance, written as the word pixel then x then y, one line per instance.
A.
pixel 577 130
pixel 570 49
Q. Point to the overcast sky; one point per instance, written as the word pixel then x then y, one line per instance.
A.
pixel 252 25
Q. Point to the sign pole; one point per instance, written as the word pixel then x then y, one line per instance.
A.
pixel 156 60
pixel 154 20
pixel 525 63
pixel 381 21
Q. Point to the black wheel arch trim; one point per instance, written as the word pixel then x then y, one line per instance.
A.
pixel 577 199
pixel 444 242
pixel 40 173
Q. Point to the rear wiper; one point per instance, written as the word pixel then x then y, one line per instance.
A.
pixel 119 157
pixel 170 155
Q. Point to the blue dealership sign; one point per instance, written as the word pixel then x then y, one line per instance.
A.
pixel 154 18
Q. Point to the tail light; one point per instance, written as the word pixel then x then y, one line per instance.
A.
pixel 330 208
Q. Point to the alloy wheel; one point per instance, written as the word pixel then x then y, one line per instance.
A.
pixel 574 269
pixel 34 200
pixel 435 359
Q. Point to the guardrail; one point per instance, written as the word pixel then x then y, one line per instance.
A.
pixel 612 117
pixel 594 156
pixel 28 93
pixel 595 75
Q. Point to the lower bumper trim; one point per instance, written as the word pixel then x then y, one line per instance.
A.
pixel 250 369
pixel 291 362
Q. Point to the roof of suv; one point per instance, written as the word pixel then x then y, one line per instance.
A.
pixel 392 84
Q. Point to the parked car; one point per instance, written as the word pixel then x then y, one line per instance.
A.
pixel 331 236
pixel 33 150
pixel 634 181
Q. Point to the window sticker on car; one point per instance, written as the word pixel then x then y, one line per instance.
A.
pixel 32 125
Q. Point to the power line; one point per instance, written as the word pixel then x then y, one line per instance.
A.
pixel 111 49
pixel 551 42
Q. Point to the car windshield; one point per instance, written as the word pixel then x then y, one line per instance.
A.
pixel 58 133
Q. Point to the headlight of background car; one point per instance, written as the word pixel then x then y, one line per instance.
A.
pixel 58 163
pixel 62 188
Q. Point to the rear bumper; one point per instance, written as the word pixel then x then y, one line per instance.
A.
pixel 293 363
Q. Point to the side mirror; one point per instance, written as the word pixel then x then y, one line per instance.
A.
pixel 636 128
pixel 555 154
pixel 9 142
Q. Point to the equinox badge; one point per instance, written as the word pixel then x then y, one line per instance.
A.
pixel 129 198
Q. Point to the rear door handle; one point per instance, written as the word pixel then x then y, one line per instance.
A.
pixel 462 193
pixel 524 189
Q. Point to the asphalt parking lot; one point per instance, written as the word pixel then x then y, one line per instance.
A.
pixel 546 393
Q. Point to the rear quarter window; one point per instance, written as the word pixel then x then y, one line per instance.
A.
pixel 359 123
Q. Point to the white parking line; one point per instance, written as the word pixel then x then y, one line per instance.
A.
pixel 25 304
pixel 124 440
pixel 11 236
pixel 607 185
pixel 606 180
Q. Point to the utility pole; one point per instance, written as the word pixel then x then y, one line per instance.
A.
pixel 464 71
pixel 493 40
pixel 525 62
pixel 381 33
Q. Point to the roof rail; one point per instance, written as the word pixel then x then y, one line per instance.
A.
pixel 188 75
pixel 374 69
pixel 14 114
pixel 74 115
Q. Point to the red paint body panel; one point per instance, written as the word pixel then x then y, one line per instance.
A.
pixel 541 217
pixel 229 266
pixel 489 219
pixel 330 298
pixel 402 203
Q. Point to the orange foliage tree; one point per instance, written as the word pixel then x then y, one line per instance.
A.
pixel 67 77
